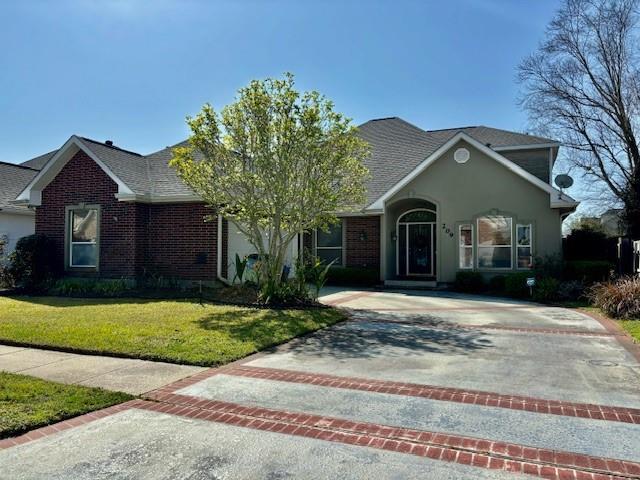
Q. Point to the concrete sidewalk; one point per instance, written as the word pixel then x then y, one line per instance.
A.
pixel 118 374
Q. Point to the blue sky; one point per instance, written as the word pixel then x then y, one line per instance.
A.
pixel 132 70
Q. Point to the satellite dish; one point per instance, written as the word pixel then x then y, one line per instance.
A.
pixel 563 181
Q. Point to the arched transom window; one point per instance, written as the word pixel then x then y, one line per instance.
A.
pixel 418 216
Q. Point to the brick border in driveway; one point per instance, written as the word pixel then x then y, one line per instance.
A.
pixel 448 394
pixel 545 463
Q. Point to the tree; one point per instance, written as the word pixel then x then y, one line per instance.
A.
pixel 582 86
pixel 277 162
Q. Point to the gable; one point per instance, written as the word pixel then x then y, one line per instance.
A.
pixel 555 197
pixel 32 194
pixel 477 185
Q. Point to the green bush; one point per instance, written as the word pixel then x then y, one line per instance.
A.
pixel 470 282
pixel 618 299
pixel 571 290
pixel 32 265
pixel 86 287
pixel 549 266
pixel 515 284
pixel 546 290
pixel 353 276
pixel 497 283
pixel 588 271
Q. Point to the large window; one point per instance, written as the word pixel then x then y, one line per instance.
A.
pixel 523 237
pixel 465 243
pixel 83 237
pixel 329 244
pixel 494 242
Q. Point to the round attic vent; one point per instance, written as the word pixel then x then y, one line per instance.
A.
pixel 461 155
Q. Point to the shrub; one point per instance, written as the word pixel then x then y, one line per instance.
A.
pixel 84 287
pixel 546 289
pixel 549 266
pixel 353 276
pixel 32 265
pixel 588 271
pixel 586 243
pixel 571 290
pixel 469 282
pixel 497 283
pixel 618 299
pixel 515 284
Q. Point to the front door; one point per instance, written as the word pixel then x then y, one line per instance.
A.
pixel 416 249
pixel 420 249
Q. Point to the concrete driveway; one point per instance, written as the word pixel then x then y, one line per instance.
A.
pixel 415 385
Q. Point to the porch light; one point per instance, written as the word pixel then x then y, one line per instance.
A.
pixel 394 237
pixel 363 236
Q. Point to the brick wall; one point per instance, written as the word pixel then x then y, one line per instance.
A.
pixel 362 252
pixel 165 239
pixel 180 243
pixel 81 180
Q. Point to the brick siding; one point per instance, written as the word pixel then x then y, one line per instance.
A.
pixel 362 252
pixel 166 239
pixel 172 240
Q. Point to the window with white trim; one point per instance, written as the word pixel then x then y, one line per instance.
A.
pixel 523 245
pixel 83 237
pixel 329 244
pixel 495 242
pixel 465 246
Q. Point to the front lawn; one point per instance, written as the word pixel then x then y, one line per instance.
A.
pixel 632 327
pixel 170 330
pixel 27 402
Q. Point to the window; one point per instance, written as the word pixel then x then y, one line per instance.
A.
pixel 465 242
pixel 523 237
pixel 83 237
pixel 329 244
pixel 494 242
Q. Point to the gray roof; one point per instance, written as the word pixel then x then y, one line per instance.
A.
pixel 13 179
pixel 397 147
pixel 38 162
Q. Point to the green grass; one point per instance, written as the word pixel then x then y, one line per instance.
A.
pixel 27 403
pixel 169 330
pixel 632 327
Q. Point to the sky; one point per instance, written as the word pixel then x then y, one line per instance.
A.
pixel 130 70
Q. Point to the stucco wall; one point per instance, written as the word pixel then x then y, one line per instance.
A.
pixel 462 192
pixel 15 227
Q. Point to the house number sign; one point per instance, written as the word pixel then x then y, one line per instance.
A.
pixel 447 230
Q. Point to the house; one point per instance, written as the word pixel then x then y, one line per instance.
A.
pixel 16 221
pixel 438 202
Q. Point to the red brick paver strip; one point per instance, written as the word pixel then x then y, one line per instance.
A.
pixel 543 463
pixel 475 397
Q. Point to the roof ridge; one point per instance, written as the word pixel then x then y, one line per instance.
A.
pixel 19 165
pixel 453 128
pixel 111 146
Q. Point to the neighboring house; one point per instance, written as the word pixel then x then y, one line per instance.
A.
pixel 16 221
pixel 438 202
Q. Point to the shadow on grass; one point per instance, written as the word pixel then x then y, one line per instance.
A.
pixel 268 327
